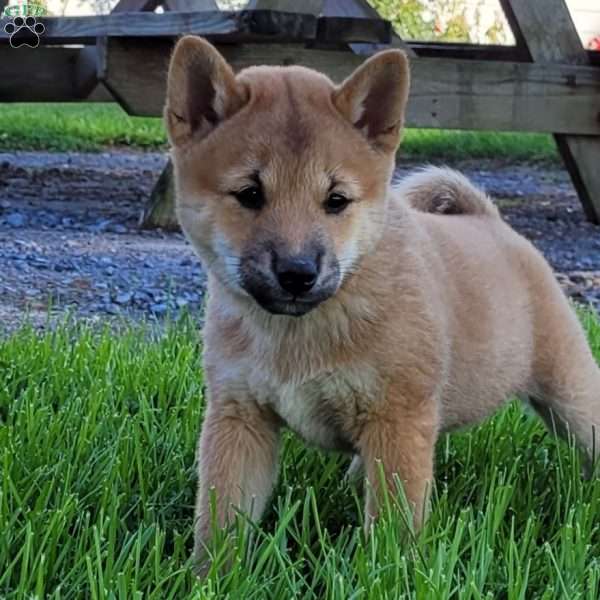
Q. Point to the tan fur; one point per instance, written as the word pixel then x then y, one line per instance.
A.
pixel 444 191
pixel 432 320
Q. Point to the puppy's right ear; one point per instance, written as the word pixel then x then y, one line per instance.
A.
pixel 374 98
pixel 201 90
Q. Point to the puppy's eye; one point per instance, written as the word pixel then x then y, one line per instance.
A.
pixel 336 203
pixel 250 197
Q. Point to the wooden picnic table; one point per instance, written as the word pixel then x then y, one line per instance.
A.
pixel 547 82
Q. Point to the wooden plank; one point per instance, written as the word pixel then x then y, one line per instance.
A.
pixel 190 5
pixel 482 52
pixel 345 20
pixel 23 80
pixel 469 51
pixel 446 93
pixel 556 40
pixel 311 7
pixel 226 26
pixel 242 26
pixel 135 6
pixel 548 39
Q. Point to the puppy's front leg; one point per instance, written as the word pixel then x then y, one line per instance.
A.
pixel 400 441
pixel 237 458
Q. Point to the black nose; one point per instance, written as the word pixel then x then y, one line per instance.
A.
pixel 297 275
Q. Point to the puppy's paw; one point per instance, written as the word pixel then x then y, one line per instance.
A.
pixel 355 472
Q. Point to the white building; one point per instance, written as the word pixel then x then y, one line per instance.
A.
pixel 585 15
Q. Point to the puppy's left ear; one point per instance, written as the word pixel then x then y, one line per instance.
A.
pixel 374 98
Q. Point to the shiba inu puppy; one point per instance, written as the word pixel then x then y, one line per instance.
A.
pixel 366 318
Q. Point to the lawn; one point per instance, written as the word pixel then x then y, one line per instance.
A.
pixel 97 436
pixel 92 127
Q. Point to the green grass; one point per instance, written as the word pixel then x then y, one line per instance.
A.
pixel 85 127
pixel 97 437
pixel 425 144
pixel 91 127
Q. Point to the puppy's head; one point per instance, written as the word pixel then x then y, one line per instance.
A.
pixel 282 176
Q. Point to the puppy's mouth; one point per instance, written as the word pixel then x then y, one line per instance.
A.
pixel 277 303
pixel 290 308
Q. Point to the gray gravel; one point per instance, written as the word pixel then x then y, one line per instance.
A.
pixel 69 240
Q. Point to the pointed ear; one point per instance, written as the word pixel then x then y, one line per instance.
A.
pixel 374 98
pixel 201 90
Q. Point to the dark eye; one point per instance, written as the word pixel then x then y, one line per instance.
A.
pixel 250 197
pixel 336 203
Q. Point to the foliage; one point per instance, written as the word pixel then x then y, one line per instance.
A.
pixel 410 18
pixel 445 20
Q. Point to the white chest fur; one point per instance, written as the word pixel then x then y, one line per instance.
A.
pixel 321 409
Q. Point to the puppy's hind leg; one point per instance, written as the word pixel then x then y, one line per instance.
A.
pixel 568 396
pixel 570 427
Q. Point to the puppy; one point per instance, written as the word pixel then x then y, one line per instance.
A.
pixel 367 319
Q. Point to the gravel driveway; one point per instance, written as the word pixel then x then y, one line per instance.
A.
pixel 69 240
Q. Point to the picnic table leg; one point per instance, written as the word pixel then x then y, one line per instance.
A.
pixel 546 28
pixel 159 210
pixel 581 155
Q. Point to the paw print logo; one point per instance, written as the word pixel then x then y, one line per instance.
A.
pixel 24 32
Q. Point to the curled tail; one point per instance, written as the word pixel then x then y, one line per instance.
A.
pixel 440 190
